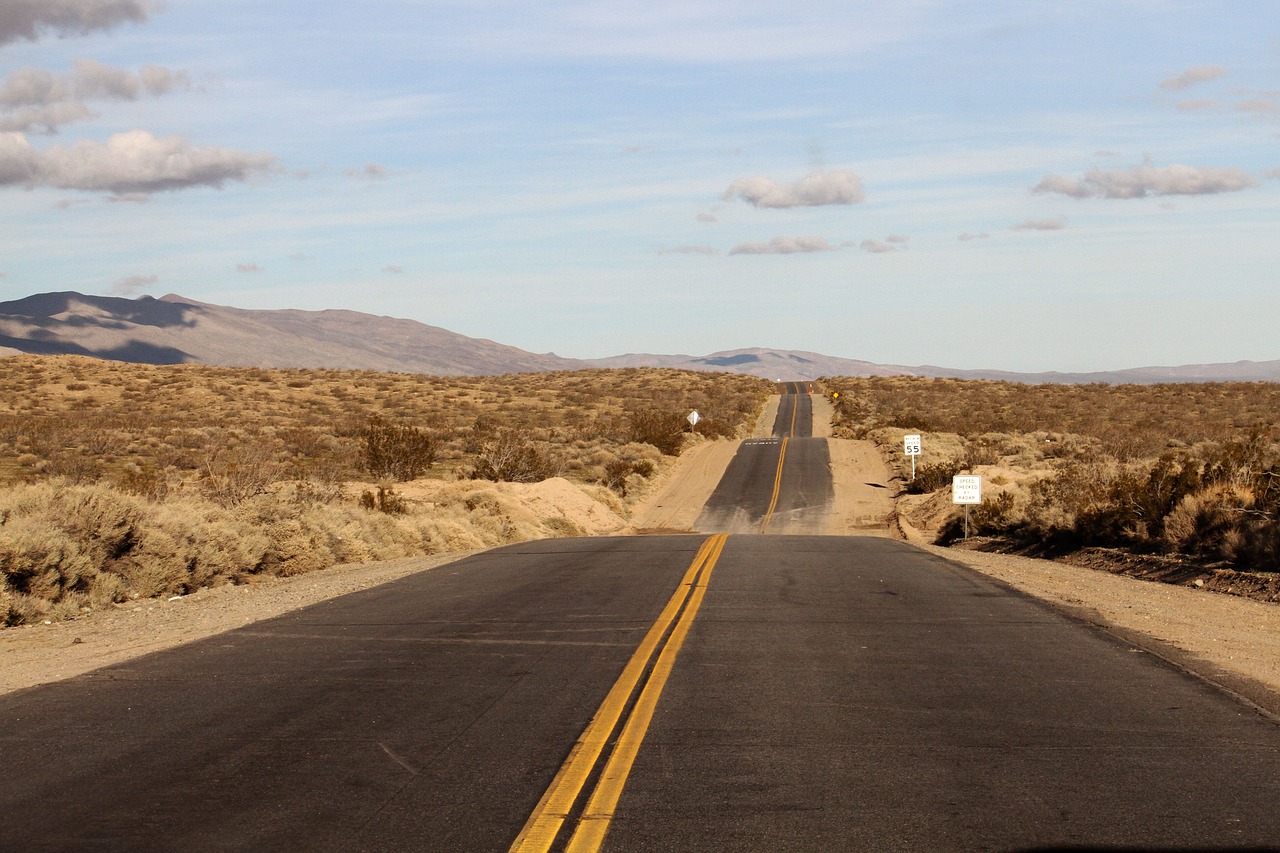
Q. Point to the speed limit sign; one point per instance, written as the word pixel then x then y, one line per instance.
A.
pixel 911 443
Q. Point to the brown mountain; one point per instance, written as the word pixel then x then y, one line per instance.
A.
pixel 176 330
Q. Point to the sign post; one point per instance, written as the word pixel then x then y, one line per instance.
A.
pixel 693 419
pixel 911 446
pixel 966 489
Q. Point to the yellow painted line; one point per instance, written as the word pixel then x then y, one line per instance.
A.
pixel 777 487
pixel 542 827
pixel 596 819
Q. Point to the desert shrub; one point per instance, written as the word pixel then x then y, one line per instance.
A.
pixel 990 517
pixel 397 451
pixel 511 457
pixel 664 429
pixel 932 476
pixel 385 500
pixel 235 473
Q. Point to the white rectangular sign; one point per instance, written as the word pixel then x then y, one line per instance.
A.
pixel 912 444
pixel 966 489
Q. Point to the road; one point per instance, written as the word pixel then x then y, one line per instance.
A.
pixel 688 693
pixel 831 693
pixel 776 485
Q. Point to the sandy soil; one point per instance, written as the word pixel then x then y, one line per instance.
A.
pixel 864 498
pixel 675 503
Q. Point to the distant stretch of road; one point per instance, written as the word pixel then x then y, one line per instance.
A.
pixel 776 485
pixel 827 693
pixel 702 692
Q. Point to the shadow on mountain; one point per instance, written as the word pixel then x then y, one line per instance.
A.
pixel 138 352
pixel 42 309
pixel 729 360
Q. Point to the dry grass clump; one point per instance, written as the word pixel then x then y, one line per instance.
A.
pixel 123 480
pixel 1189 470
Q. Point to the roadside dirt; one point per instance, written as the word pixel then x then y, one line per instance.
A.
pixel 676 501
pixel 864 496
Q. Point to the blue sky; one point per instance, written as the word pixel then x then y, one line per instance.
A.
pixel 1021 185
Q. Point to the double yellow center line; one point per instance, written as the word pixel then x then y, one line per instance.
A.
pixel 556 805
pixel 782 458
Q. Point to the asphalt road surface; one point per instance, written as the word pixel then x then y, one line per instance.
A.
pixel 776 485
pixel 750 693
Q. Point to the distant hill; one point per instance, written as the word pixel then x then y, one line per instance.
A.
pixel 177 330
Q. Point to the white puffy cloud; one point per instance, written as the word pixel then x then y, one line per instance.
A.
pixel 968 235
pixel 38 101
pixel 1142 181
pixel 133 162
pixel 44 119
pixel 29 86
pixel 784 246
pixel 28 19
pixel 1192 76
pixel 1056 224
pixel 248 268
pixel 813 190
pixel 877 247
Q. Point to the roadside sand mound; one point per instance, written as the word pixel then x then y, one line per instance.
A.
pixel 518 511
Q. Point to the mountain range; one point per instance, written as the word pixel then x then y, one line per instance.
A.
pixel 175 330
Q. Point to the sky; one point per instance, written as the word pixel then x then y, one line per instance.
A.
pixel 1015 184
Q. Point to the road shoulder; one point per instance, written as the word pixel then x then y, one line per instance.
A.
pixel 1232 641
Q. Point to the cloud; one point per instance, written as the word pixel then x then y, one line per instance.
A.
pixel 132 162
pixel 92 79
pixel 1142 181
pixel 1192 104
pixel 813 190
pixel 130 285
pixel 784 246
pixel 1192 76
pixel 689 250
pixel 1273 174
pixel 1262 104
pixel 967 236
pixel 1056 224
pixel 248 268
pixel 44 119
pixel 130 198
pixel 897 238
pixel 877 247
pixel 369 172
pixel 393 269
pixel 707 217
pixel 28 19
pixel 41 102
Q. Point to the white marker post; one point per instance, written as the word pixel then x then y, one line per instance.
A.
pixel 911 446
pixel 966 489
pixel 693 419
